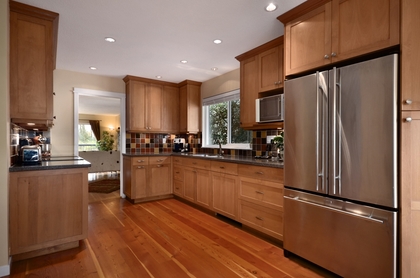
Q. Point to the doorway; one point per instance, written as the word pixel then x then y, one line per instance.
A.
pixel 80 93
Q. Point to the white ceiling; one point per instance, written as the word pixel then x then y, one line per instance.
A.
pixel 153 36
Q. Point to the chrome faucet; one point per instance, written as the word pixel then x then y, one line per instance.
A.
pixel 220 148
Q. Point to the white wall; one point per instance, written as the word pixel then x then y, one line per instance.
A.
pixel 221 84
pixel 4 138
pixel 64 82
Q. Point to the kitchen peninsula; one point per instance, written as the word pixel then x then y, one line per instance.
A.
pixel 48 206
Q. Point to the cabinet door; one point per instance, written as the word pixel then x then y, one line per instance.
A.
pixel 270 69
pixel 139 182
pixel 308 40
pixel 410 194
pixel 249 91
pixel 225 194
pixel 159 180
pixel 190 108
pixel 189 184
pixel 32 61
pixel 410 56
pixel 203 188
pixel 360 27
pixel 136 98
pixel 170 118
pixel 154 107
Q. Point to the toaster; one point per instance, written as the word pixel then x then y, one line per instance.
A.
pixel 31 154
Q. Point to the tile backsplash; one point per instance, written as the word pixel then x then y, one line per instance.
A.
pixel 163 143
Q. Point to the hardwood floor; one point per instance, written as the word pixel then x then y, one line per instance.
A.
pixel 164 238
pixel 95 197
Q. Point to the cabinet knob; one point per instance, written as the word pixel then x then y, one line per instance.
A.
pixel 221 167
pixel 408 119
pixel 333 54
pixel 326 56
pixel 159 166
pixel 408 101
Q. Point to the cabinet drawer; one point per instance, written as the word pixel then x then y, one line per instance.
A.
pixel 224 167
pixel 178 173
pixel 140 160
pixel 266 220
pixel 154 160
pixel 197 163
pixel 262 192
pixel 178 188
pixel 260 172
pixel 177 160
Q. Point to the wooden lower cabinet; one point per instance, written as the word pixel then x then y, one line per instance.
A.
pixel 197 186
pixel 48 211
pixel 147 178
pixel 225 194
pixel 261 205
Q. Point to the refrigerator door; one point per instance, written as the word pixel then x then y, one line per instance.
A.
pixel 305 125
pixel 348 239
pixel 363 125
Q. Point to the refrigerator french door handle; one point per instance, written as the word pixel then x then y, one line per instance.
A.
pixel 321 107
pixel 317 131
pixel 297 199
pixel 336 135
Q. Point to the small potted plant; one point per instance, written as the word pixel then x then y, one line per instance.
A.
pixel 279 142
pixel 106 143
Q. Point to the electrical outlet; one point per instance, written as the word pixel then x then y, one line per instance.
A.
pixel 269 138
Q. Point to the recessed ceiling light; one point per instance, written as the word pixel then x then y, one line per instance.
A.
pixel 92 68
pixel 109 39
pixel 184 61
pixel 213 68
pixel 271 7
pixel 158 76
pixel 217 41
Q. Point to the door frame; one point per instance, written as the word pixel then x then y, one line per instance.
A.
pixel 88 92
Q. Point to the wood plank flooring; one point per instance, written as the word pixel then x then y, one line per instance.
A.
pixel 164 238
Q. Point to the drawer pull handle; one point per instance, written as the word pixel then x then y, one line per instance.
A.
pixel 177 172
pixel 259 218
pixel 159 160
pixel 176 187
pixel 159 166
pixel 221 167
pixel 259 192
pixel 260 173
pixel 140 167
pixel 194 163
pixel 140 160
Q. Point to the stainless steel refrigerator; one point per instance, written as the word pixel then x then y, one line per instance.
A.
pixel 340 168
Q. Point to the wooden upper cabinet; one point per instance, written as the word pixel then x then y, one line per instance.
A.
pixel 261 74
pixel 320 32
pixel 190 106
pixel 170 120
pixel 154 107
pixel 248 91
pixel 33 45
pixel 270 69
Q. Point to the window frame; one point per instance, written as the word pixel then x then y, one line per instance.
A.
pixel 206 102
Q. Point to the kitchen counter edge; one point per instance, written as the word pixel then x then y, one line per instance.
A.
pixel 51 165
pixel 226 158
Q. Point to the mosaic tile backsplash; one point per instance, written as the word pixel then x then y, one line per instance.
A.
pixel 163 143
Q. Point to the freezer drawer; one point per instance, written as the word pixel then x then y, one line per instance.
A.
pixel 347 239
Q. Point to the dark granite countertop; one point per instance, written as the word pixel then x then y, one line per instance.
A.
pixel 226 158
pixel 59 162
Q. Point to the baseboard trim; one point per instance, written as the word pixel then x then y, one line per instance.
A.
pixel 5 269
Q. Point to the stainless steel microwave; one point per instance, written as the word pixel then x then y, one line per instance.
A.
pixel 269 109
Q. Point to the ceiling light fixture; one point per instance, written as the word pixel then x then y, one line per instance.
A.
pixel 184 61
pixel 158 76
pixel 109 39
pixel 217 41
pixel 92 68
pixel 214 69
pixel 271 7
